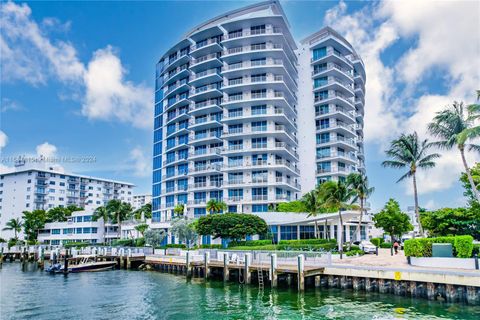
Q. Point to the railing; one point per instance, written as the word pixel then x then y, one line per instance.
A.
pixel 205 43
pixel 246 33
pixel 205 58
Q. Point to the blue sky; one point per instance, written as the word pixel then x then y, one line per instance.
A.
pixel 78 78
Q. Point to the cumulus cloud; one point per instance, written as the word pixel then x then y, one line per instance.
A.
pixel 140 162
pixel 28 54
pixel 3 139
pixel 109 96
pixel 442 39
pixel 46 150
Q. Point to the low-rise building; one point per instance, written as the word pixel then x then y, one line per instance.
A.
pixel 139 200
pixel 31 188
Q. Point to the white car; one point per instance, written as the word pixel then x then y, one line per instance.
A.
pixel 367 246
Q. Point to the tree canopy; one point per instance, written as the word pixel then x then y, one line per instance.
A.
pixel 392 220
pixel 475 173
pixel 234 226
pixel 33 221
pixel 184 230
pixel 154 237
pixel 448 222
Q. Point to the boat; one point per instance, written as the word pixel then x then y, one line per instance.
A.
pixel 86 264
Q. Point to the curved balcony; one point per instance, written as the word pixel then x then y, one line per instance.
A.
pixel 179 73
pixel 177 147
pixel 206 92
pixel 204 47
pixel 269 65
pixel 254 51
pixel 208 61
pixel 179 60
pixel 206 106
pixel 333 69
pixel 346 143
pixel 277 131
pixel 336 84
pixel 178 87
pixel 336 155
pixel 206 77
pixel 205 123
pixel 181 100
pixel 274 98
pixel 207 153
pixel 211 137
pixel 176 160
pixel 202 170
pixel 332 56
pixel 280 165
pixel 335 97
pixel 338 127
pixel 177 117
pixel 338 112
pixel 177 132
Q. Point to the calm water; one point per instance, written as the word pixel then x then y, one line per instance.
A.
pixel 152 295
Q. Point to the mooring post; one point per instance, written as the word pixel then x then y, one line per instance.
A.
pixel 318 282
pixel 206 261
pixel 376 251
pixel 187 264
pixel 273 270
pixel 246 271
pixel 476 261
pixel 301 272
pixel 65 264
pixel 226 271
pixel 1 256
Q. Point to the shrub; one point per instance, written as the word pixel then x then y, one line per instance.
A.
pixel 173 245
pixel 352 253
pixel 123 243
pixel 2 240
pixel 307 241
pixel 140 242
pixel 77 245
pixel 377 241
pixel 422 247
pixel 249 243
pixel 386 245
pixel 291 247
pixel 211 246
pixel 476 249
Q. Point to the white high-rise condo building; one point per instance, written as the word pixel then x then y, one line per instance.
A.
pixel 31 188
pixel 331 108
pixel 227 116
pixel 139 200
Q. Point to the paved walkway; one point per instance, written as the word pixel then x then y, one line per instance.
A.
pixel 385 260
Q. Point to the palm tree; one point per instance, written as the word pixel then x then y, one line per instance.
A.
pixel 455 127
pixel 119 211
pixel 141 228
pixel 101 213
pixel 359 184
pixel 310 201
pixel 408 152
pixel 15 225
pixel 179 209
pixel 215 206
pixel 144 212
pixel 336 195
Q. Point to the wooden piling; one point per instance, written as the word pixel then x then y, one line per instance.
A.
pixel 301 272
pixel 246 272
pixel 206 262
pixel 65 264
pixel 273 270
pixel 226 271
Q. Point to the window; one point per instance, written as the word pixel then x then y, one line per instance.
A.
pixel 259 110
pixel 288 232
pixel 259 143
pixel 79 231
pixel 232 209
pixel 87 218
pixel 319 53
pixel 320 82
pixel 260 208
pixel 258 62
pixel 257 29
pixel 259 77
pixel 259 94
pixel 323 152
pixel 323 167
pixel 321 109
pixel 68 231
pixel 323 138
pixel 259 194
pixel 55 231
pixel 198 212
pixel 52 183
pixel 260 176
pixel 259 126
pixel 307 232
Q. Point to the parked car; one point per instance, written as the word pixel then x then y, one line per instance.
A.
pixel 367 246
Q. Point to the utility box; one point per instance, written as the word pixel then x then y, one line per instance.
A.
pixel 443 250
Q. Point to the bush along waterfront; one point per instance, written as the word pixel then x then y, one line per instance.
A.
pixel 422 247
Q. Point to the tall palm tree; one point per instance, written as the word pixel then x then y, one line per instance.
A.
pixel 215 206
pixel 102 213
pixel 119 211
pixel 359 184
pixel 408 152
pixel 15 225
pixel 336 195
pixel 310 201
pixel 179 209
pixel 455 127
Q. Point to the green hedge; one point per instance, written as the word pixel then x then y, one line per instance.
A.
pixel 249 243
pixel 377 241
pixel 476 249
pixel 123 243
pixel 422 247
pixel 77 245
pixel 294 247
pixel 307 241
pixel 211 246
pixel 386 245
pixel 352 253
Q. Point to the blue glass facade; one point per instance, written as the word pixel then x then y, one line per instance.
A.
pixel 157 144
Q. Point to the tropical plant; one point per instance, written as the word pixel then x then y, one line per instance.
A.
pixel 291 206
pixel 33 221
pixel 449 222
pixel 408 152
pixel 216 206
pixel 119 211
pixel 336 195
pixel 392 220
pixel 179 209
pixel 469 193
pixel 185 231
pixel 104 214
pixel 455 126
pixel 359 184
pixel 144 212
pixel 60 214
pixel 233 226
pixel 141 228
pixel 154 237
pixel 15 225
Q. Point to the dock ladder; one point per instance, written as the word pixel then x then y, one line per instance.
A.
pixel 260 279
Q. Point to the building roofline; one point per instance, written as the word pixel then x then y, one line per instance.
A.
pixel 67 174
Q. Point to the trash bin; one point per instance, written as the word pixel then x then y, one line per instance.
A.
pixel 443 250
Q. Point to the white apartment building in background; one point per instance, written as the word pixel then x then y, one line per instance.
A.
pixel 245 116
pixel 331 109
pixel 139 200
pixel 31 188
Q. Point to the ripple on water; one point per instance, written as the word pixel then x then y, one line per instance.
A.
pixel 152 295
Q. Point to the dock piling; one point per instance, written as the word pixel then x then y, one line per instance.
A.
pixel 301 272
pixel 187 264
pixel 226 271
pixel 273 270
pixel 206 262
pixel 246 271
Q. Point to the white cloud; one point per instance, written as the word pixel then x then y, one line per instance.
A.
pixel 3 140
pixel 29 55
pixel 46 150
pixel 140 162
pixel 10 105
pixel 110 97
pixel 443 38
